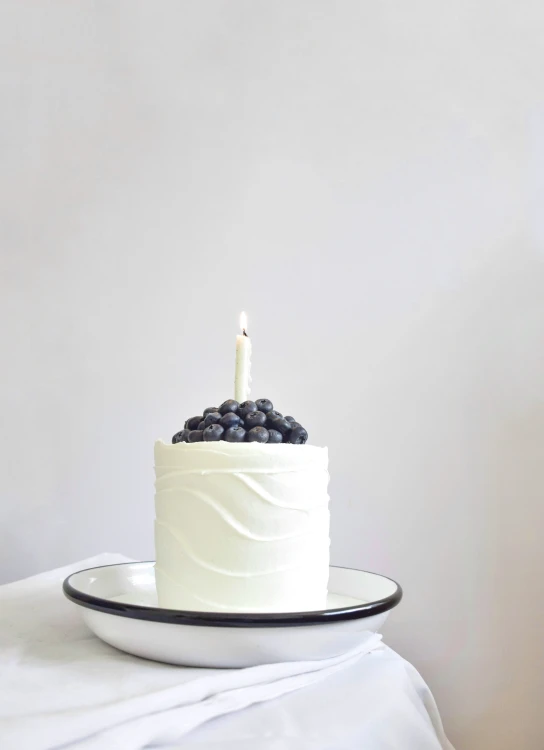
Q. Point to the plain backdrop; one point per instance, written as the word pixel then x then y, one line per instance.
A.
pixel 366 180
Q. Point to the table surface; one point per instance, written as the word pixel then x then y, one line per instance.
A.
pixel 59 682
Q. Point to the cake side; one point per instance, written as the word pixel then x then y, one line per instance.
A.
pixel 241 527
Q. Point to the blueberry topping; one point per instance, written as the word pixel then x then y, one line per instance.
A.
pixel 257 435
pixel 255 419
pixel 230 419
pixel 246 407
pixel 195 436
pixel 234 435
pixel 229 406
pixel 181 436
pixel 212 417
pixel 213 432
pixel 250 421
pixel 264 405
pixel 298 435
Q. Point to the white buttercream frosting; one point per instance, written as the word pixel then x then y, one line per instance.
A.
pixel 241 527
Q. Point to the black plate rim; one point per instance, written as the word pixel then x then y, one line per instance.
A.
pixel 229 619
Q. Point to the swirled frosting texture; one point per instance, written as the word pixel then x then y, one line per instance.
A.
pixel 241 527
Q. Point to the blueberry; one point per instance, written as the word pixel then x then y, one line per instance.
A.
pixel 201 425
pixel 229 406
pixel 257 435
pixel 290 419
pixel 234 435
pixel 255 419
pixel 271 417
pixel 274 436
pixel 298 435
pixel 181 436
pixel 192 424
pixel 230 419
pixel 213 432
pixel 212 417
pixel 195 436
pixel 264 405
pixel 294 424
pixel 246 407
pixel 251 405
pixel 210 409
pixel 281 425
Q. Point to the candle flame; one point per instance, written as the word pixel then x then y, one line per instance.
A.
pixel 243 323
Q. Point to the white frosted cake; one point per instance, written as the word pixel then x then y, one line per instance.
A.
pixel 241 526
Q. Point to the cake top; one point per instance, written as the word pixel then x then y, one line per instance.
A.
pixel 247 458
pixel 248 422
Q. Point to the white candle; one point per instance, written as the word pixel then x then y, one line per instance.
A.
pixel 242 375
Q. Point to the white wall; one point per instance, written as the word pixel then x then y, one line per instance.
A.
pixel 364 179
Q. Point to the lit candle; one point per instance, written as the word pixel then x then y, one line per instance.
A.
pixel 242 376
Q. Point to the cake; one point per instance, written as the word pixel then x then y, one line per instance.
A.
pixel 242 520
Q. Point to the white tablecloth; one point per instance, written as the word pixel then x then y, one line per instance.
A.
pixel 62 687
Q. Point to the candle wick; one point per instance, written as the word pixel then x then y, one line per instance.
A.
pixel 244 332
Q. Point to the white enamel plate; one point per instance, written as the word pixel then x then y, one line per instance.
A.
pixel 119 604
